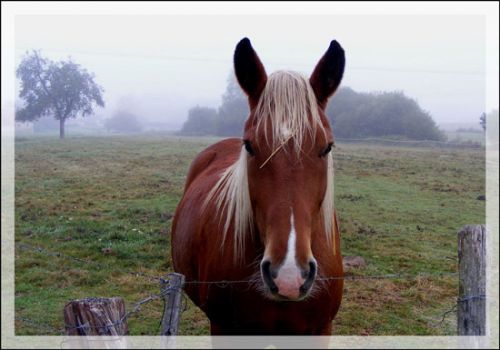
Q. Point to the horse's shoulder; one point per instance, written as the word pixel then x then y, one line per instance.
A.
pixel 219 152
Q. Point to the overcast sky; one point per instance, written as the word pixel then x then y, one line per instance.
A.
pixel 160 66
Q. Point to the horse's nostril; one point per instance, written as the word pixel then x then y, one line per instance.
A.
pixel 313 267
pixel 309 272
pixel 309 278
pixel 266 266
pixel 269 275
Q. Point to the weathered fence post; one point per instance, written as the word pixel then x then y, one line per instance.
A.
pixel 96 317
pixel 472 280
pixel 171 288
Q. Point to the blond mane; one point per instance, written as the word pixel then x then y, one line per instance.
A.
pixel 284 107
pixel 287 107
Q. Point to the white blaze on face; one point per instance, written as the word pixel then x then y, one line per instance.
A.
pixel 289 277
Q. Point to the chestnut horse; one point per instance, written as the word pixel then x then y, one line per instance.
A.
pixel 258 211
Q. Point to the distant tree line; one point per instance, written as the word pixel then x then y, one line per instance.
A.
pixel 123 122
pixel 352 115
pixel 227 120
pixel 385 114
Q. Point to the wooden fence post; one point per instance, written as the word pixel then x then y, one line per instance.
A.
pixel 95 316
pixel 171 288
pixel 472 280
pixel 99 323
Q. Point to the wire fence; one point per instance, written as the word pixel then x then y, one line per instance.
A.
pixel 43 327
pixel 85 327
pixel 471 280
pixel 45 251
pixel 136 308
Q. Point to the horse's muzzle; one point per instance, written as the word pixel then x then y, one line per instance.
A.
pixel 288 285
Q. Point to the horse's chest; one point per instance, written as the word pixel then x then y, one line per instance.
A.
pixel 249 312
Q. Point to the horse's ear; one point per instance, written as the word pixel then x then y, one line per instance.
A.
pixel 249 71
pixel 328 73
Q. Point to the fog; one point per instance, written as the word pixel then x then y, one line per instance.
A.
pixel 160 66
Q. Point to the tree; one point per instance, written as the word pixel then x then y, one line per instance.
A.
pixel 123 121
pixel 61 89
pixel 233 110
pixel 201 121
pixel 352 115
pixel 385 114
pixel 228 120
pixel 482 120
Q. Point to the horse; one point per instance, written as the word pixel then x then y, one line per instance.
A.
pixel 255 233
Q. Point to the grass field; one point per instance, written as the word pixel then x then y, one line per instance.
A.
pixel 110 202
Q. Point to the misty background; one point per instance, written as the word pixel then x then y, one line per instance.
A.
pixel 159 67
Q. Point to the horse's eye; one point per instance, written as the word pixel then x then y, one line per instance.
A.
pixel 248 147
pixel 326 150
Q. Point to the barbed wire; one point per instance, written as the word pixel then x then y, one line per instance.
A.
pixel 223 283
pixel 471 297
pixel 167 288
pixel 136 308
pixel 454 307
pixel 166 291
pixel 445 314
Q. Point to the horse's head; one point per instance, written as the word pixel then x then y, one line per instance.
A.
pixel 287 142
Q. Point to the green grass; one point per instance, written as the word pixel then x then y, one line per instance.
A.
pixel 111 201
